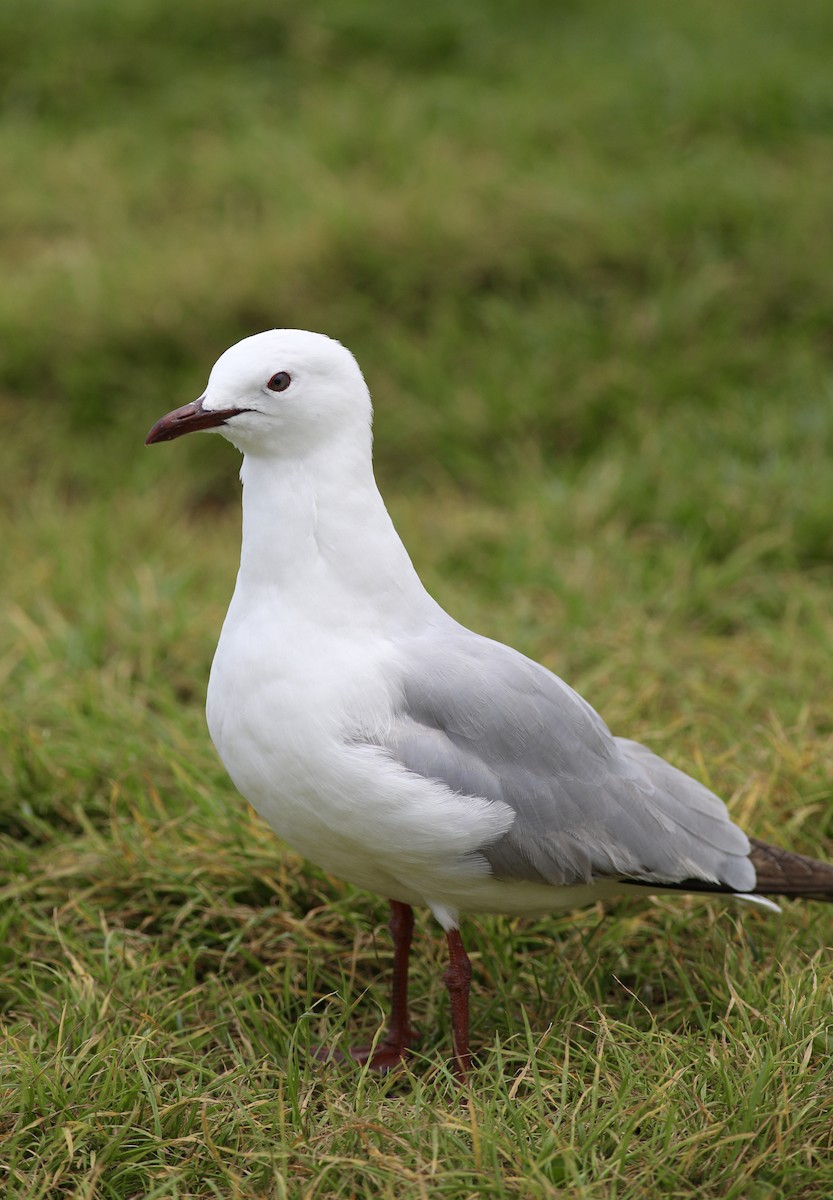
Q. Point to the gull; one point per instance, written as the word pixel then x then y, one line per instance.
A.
pixel 392 746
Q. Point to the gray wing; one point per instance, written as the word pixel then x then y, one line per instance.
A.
pixel 486 721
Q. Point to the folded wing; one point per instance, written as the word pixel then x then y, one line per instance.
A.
pixel 488 722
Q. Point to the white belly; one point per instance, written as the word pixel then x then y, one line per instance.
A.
pixel 281 720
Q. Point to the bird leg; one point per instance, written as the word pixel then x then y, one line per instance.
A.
pixel 458 981
pixel 400 1034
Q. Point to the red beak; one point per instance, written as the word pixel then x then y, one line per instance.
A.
pixel 188 419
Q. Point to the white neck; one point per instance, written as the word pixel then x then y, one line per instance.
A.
pixel 315 528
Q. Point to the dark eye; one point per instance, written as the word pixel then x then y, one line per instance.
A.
pixel 279 382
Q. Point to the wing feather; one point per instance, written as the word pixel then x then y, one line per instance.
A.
pixel 488 722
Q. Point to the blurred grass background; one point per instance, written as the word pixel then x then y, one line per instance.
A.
pixel 582 252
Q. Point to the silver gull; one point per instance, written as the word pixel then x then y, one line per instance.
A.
pixel 394 747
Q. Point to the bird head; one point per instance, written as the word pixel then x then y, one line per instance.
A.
pixel 282 392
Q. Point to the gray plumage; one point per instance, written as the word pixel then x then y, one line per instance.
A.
pixel 488 722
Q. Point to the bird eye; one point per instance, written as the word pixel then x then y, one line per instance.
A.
pixel 279 382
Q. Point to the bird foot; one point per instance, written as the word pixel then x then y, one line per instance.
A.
pixel 382 1056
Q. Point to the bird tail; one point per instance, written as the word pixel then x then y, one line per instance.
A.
pixel 782 873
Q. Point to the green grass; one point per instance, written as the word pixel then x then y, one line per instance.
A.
pixel 582 252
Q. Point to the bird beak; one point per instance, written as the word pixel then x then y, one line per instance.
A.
pixel 188 419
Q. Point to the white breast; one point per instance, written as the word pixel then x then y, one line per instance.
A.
pixel 282 699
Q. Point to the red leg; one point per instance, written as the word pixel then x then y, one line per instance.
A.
pixel 401 926
pixel 458 981
pixel 400 1034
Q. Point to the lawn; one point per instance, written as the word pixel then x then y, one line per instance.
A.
pixel 582 253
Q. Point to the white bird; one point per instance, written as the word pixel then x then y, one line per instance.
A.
pixel 397 749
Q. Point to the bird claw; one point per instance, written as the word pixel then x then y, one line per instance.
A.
pixel 381 1056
